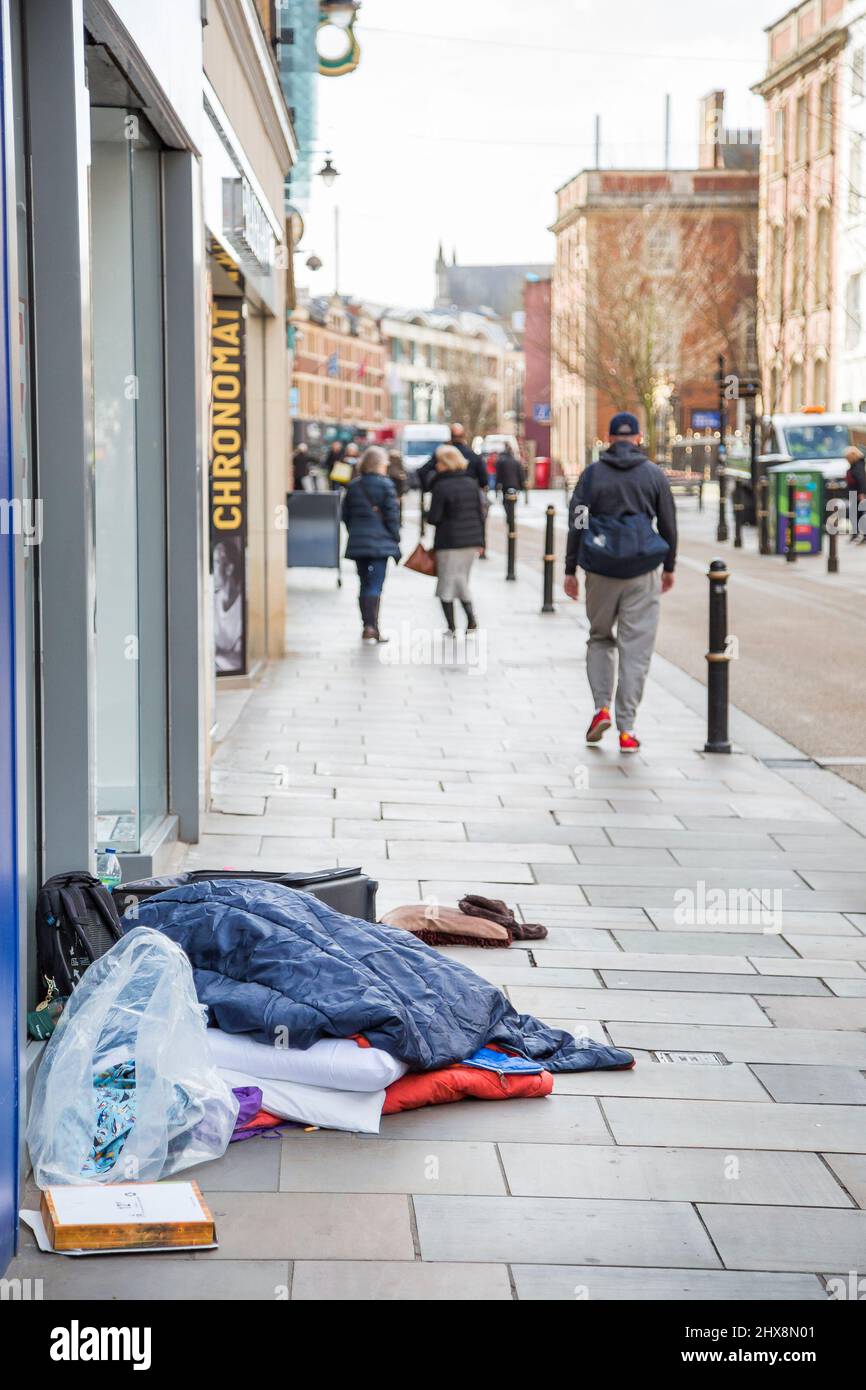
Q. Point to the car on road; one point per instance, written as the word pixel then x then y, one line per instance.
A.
pixel 418 443
pixel 817 437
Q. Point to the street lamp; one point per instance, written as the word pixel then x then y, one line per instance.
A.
pixel 328 173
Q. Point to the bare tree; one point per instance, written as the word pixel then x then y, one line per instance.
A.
pixel 469 399
pixel 658 298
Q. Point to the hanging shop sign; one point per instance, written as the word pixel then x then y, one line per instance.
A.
pixel 246 224
pixel 336 45
pixel 228 520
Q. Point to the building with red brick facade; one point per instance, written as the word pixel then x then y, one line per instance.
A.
pixel 536 351
pixel 654 277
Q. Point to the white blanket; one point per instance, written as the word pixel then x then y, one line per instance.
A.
pixel 337 1063
pixel 358 1111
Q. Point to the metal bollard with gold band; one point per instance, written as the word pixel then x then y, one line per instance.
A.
pixel 718 658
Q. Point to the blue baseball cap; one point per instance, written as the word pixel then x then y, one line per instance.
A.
pixel 624 423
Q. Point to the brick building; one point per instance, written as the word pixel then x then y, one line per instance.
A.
pixel 802 216
pixel 339 369
pixel 536 349
pixel 654 277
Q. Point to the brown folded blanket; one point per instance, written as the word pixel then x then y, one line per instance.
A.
pixel 445 926
pixel 497 911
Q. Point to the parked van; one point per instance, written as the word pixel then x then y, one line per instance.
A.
pixel 418 443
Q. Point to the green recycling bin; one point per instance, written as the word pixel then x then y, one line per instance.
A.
pixel 808 506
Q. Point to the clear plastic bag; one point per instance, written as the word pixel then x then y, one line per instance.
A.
pixel 126 1090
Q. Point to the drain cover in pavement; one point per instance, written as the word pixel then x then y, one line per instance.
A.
pixel 692 1059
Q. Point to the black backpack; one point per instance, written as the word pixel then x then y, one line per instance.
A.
pixel 76 923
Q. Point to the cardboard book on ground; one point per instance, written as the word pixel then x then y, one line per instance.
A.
pixel 124 1216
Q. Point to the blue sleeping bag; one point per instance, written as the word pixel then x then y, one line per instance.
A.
pixel 280 965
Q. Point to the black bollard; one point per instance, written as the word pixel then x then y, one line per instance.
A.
pixel 722 528
pixel 717 661
pixel 834 493
pixel 549 561
pixel 739 508
pixel 510 501
pixel 763 508
pixel 791 534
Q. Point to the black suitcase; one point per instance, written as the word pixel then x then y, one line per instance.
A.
pixel 349 891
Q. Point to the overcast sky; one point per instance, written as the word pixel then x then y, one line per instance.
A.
pixel 465 115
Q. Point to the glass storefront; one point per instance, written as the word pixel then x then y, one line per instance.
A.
pixel 130 479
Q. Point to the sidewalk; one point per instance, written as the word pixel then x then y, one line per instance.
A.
pixel 681 1179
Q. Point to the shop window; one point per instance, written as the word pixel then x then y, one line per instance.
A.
pixel 130 496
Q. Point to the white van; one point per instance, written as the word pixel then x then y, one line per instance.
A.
pixel 418 443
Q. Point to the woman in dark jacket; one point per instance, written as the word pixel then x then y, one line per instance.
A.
pixel 372 518
pixel 457 512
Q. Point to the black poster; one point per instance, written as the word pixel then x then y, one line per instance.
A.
pixel 228 512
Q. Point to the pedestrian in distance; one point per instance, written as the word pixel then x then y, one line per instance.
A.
pixel 372 518
pixel 301 465
pixel 623 534
pixel 510 472
pixel 399 477
pixel 856 480
pixel 457 513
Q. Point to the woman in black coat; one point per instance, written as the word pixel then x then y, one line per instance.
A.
pixel 457 512
pixel 372 518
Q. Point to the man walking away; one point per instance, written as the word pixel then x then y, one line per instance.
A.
pixel 612 538
pixel 510 472
pixel 856 480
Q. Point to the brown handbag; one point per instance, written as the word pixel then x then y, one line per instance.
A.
pixel 421 560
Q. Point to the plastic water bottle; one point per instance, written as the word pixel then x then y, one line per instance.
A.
pixel 108 869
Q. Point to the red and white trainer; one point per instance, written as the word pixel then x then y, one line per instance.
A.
pixel 599 726
pixel 629 744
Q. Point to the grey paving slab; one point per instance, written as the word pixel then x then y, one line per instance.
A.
pixel 670 1175
pixel 574 940
pixel 561 1283
pixel 455 810
pixel 611 854
pixel 787 1238
pixel 844 1014
pixel 771 919
pixel 347 1163
pixel 251 1166
pixel 712 982
pixel 746 1124
pixel 769 825
pixel 733 837
pixel 829 947
pixel 832 970
pixel 526 828
pixel 554 1120
pixel 626 962
pixel 512 873
pixel 488 851
pixel 676 1007
pixel 412 830
pixel 849 989
pixel 376 1281
pixel 660 875
pixel 544 1230
pixel 490 965
pixel 155 1278
pixel 622 820
pixel 850 1169
pixel 311 1226
pixel 310 825
pixel 704 943
pixel 803 1046
pixel 814 1085
pixel 649 1078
